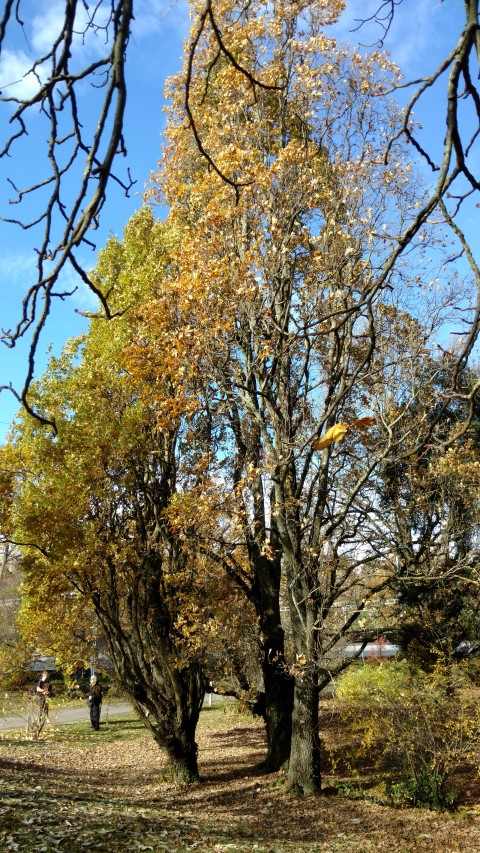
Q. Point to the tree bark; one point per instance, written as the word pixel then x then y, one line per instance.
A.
pixel 279 686
pixel 182 754
pixel 167 697
pixel 278 683
pixel 172 718
pixel 304 766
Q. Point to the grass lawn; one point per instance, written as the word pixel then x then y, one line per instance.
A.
pixel 109 791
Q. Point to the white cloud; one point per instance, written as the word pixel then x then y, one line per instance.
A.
pixel 15 79
pixel 18 272
pixel 47 27
pixel 151 17
pixel 16 268
pixel 418 36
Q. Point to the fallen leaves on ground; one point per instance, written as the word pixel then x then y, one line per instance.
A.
pixel 112 796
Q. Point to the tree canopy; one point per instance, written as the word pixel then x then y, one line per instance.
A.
pixel 90 166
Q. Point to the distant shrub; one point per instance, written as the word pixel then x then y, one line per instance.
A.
pixel 363 683
pixel 421 726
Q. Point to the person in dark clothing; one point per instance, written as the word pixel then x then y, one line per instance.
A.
pixel 95 703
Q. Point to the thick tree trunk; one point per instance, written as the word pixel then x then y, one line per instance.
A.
pixel 172 717
pixel 304 766
pixel 168 696
pixel 278 683
pixel 182 755
pixel 168 699
pixel 279 686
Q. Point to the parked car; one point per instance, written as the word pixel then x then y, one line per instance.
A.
pixel 378 649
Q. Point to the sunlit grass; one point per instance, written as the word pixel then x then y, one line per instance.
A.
pixel 113 728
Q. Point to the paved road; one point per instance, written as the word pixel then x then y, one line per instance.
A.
pixel 66 715
pixel 81 713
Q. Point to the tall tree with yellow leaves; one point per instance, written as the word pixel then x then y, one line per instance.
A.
pixel 290 222
pixel 90 506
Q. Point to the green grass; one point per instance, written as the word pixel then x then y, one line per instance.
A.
pixel 114 728
pixel 126 727
pixel 14 702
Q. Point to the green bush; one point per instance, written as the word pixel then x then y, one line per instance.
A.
pixel 428 790
pixel 420 726
pixel 382 683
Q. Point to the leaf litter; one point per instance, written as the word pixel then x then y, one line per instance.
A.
pixel 113 796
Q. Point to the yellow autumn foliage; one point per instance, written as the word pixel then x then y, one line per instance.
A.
pixel 336 433
pixel 423 725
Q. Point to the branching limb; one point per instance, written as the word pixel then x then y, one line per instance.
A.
pixel 383 16
pixel 208 17
pixel 57 97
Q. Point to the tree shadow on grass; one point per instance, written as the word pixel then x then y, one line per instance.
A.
pixel 231 755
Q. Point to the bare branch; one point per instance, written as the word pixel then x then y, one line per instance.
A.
pixel 57 97
pixel 383 17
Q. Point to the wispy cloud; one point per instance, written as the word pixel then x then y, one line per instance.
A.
pixel 15 269
pixel 16 79
pixel 152 17
pixel 418 34
pixel 46 28
pixel 18 273
pixel 155 16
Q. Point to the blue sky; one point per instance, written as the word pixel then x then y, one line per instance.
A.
pixel 423 32
pixel 155 52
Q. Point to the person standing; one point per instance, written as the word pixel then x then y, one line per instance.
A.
pixel 43 692
pixel 95 703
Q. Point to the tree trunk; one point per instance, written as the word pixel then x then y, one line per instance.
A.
pixel 172 718
pixel 168 699
pixel 278 683
pixel 278 705
pixel 182 755
pixel 304 767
